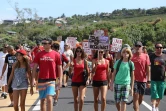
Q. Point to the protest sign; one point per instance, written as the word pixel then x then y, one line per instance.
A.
pixel 71 41
pixel 98 33
pixel 116 45
pixel 62 43
pixel 86 48
pixel 97 43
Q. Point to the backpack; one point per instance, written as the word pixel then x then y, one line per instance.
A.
pixel 119 63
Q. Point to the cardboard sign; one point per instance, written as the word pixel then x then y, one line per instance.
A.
pixel 86 48
pixel 116 45
pixel 88 51
pixel 97 43
pixel 62 43
pixel 59 39
pixel 98 33
pixel 71 41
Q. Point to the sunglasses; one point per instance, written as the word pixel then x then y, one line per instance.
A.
pixel 159 47
pixel 137 45
pixel 79 51
pixel 44 43
pixel 101 51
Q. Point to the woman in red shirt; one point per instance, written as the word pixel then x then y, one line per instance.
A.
pixel 101 79
pixel 78 84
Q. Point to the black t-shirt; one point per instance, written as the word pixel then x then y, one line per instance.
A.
pixel 10 59
pixel 158 64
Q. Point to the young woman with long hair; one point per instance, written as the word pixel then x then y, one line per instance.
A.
pixel 19 77
pixel 78 84
pixel 100 79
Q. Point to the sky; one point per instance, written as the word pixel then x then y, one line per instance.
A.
pixel 56 8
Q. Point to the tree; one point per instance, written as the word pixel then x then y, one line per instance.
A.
pixel 63 15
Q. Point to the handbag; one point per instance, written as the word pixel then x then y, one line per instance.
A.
pixel 85 72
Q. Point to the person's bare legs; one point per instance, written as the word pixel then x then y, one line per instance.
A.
pixel 49 103
pixel 43 104
pixel 81 100
pixel 16 99
pixel 118 106
pixel 136 101
pixel 103 97
pixel 123 106
pixel 23 94
pixel 75 94
pixel 36 78
pixel 96 97
pixel 57 94
pixel 11 97
pixel 141 97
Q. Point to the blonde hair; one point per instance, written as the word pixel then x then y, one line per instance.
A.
pixel 128 50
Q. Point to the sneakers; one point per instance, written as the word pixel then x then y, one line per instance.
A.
pixel 55 103
pixel 5 96
pixel 11 105
pixel 2 95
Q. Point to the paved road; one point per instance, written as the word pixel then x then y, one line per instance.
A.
pixel 65 102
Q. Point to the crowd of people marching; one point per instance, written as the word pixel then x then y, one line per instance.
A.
pixel 127 72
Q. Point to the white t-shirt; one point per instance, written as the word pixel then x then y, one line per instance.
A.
pixel 68 54
pixel 3 81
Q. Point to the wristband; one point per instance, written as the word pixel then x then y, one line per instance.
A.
pixel 148 81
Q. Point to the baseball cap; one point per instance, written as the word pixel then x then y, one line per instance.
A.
pixel 138 43
pixel 126 45
pixel 23 52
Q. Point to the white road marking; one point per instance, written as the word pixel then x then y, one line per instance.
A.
pixel 37 106
pixel 147 105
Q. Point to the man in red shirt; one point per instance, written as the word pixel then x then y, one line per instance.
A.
pixel 50 66
pixel 142 74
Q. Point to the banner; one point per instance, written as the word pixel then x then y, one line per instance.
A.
pixel 116 45
pixel 71 41
pixel 86 48
pixel 97 43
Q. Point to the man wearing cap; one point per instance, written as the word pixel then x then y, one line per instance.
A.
pixel 69 54
pixel 50 66
pixel 142 74
pixel 9 60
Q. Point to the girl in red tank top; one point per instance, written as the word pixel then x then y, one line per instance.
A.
pixel 100 79
pixel 77 79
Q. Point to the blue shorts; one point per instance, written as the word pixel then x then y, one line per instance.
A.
pixel 46 88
